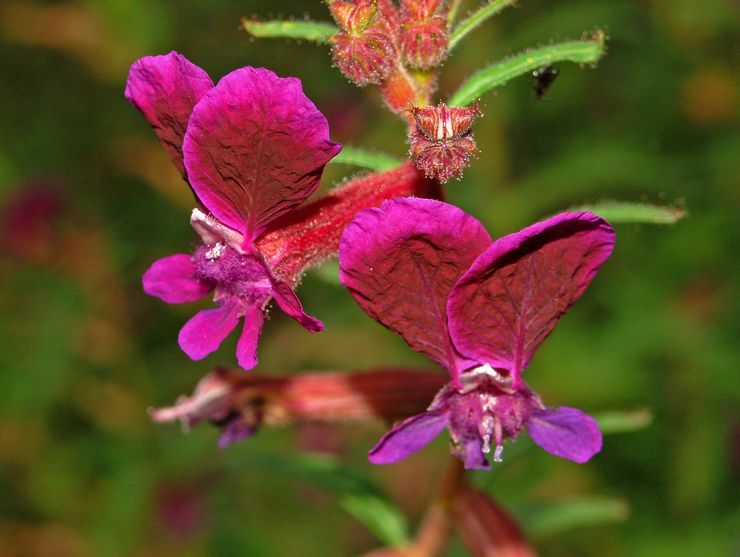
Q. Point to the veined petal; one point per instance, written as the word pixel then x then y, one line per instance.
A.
pixel 246 348
pixel 255 148
pixel 512 296
pixel 205 332
pixel 173 280
pixel 566 432
pixel 400 262
pixel 288 301
pixel 165 89
pixel 406 438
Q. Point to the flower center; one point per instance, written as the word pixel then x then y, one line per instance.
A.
pixel 236 275
pixel 487 409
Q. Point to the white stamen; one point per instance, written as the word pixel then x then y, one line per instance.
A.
pixel 216 251
pixel 497 453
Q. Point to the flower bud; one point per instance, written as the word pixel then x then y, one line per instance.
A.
pixel 424 34
pixel 365 49
pixel 441 141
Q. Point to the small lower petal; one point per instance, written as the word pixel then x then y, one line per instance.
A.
pixel 234 431
pixel 566 432
pixel 246 348
pixel 406 438
pixel 172 279
pixel 472 456
pixel 291 305
pixel 205 332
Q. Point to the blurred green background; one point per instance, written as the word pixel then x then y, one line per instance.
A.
pixel 89 200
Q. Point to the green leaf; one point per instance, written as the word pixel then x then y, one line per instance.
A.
pixel 585 51
pixel 547 519
pixel 476 18
pixel 314 31
pixel 357 494
pixel 621 422
pixel 366 159
pixel 637 213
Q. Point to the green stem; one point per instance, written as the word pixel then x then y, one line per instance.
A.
pixel 314 31
pixel 366 159
pixel 586 51
pixel 476 18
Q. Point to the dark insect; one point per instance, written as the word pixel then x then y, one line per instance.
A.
pixel 542 79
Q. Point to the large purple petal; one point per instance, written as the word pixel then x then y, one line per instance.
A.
pixel 400 262
pixel 246 348
pixel 514 293
pixel 255 148
pixel 205 332
pixel 173 280
pixel 408 437
pixel 165 89
pixel 288 301
pixel 566 432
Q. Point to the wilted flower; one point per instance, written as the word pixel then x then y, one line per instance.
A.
pixel 240 403
pixel 430 272
pixel 441 141
pixel 252 148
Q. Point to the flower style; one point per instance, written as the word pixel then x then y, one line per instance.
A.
pixel 253 148
pixel 480 308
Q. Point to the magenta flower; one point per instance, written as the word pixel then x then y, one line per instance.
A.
pixel 252 148
pixel 480 308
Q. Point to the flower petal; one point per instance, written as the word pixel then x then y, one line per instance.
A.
pixel 408 437
pixel 165 89
pixel 246 348
pixel 255 148
pixel 400 262
pixel 473 456
pixel 566 432
pixel 205 332
pixel 173 280
pixel 288 301
pixel 514 293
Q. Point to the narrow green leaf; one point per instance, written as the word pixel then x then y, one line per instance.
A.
pixel 637 213
pixel 366 159
pixel 380 516
pixel 468 24
pixel 357 494
pixel 314 31
pixel 621 422
pixel 585 51
pixel 553 518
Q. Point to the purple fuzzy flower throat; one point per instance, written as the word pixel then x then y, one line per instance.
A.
pixel 235 275
pixel 485 411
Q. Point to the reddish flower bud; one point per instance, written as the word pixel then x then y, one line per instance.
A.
pixel 365 49
pixel 442 140
pixel 486 529
pixel 354 17
pixel 424 33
